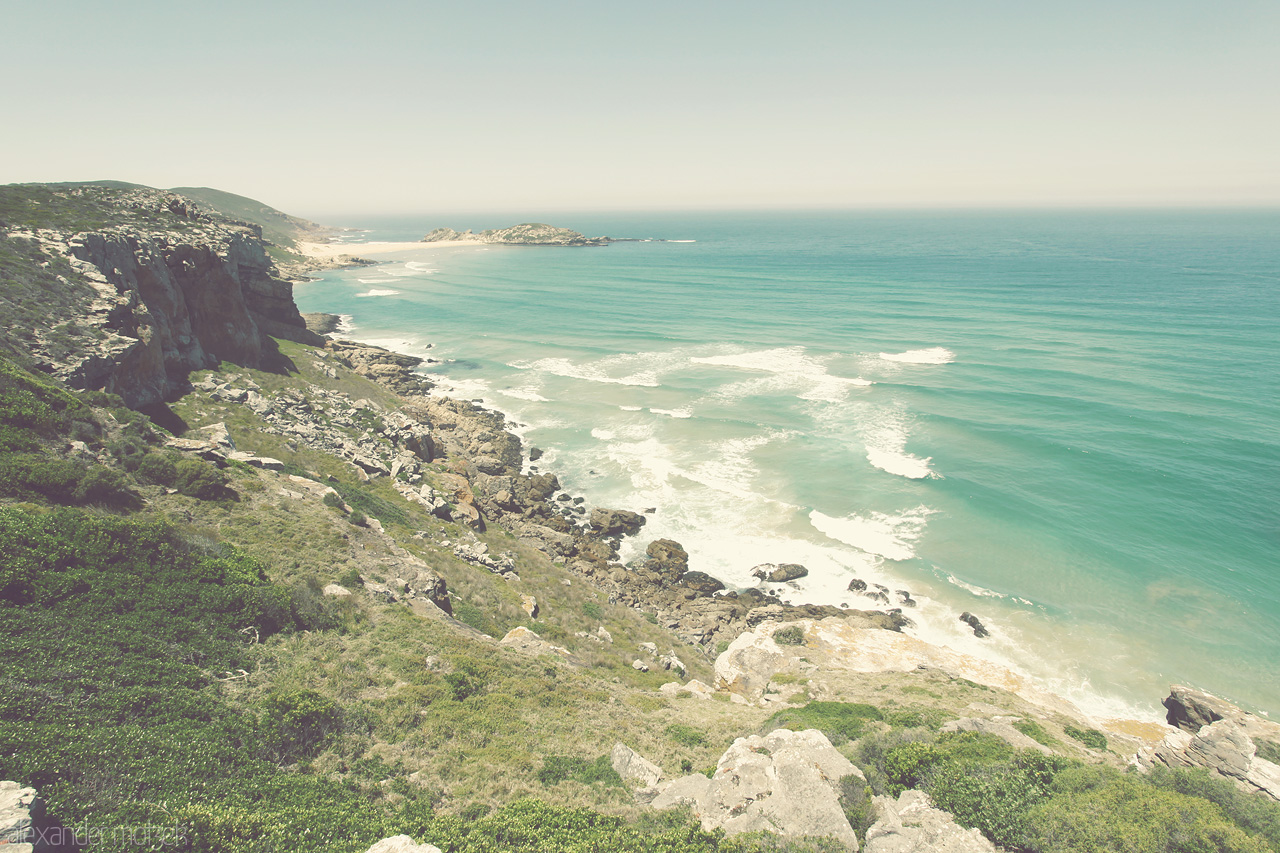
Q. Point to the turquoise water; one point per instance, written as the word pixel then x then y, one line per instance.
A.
pixel 1066 423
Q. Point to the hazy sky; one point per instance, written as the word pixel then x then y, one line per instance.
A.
pixel 370 105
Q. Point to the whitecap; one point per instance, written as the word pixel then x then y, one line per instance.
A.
pixel 526 392
pixel 639 369
pixel 673 413
pixel 885 433
pixel 890 536
pixel 420 267
pixel 632 408
pixel 378 292
pixel 791 369
pixel 933 355
pixel 983 592
pixel 377 281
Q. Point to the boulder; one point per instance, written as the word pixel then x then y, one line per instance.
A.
pixel 529 605
pixel 1190 709
pixel 402 844
pixel 779 572
pixel 525 640
pixel 336 590
pixel 747 665
pixel 912 825
pixel 979 630
pixel 614 523
pixel 788 783
pixel 634 768
pixel 701 582
pixel 22 813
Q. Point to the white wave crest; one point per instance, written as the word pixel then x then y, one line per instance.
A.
pixel 525 392
pixel 378 292
pixel 890 536
pixel 418 266
pixel 933 355
pixel 376 280
pixel 632 408
pixel 791 370
pixel 673 413
pixel 885 433
pixel 641 369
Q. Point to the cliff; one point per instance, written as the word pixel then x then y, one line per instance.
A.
pixel 526 234
pixel 129 289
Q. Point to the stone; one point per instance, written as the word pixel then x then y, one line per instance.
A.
pixel 701 582
pixel 912 825
pixel 529 605
pixel 336 590
pixel 614 523
pixel 1190 709
pixel 785 782
pixel 22 813
pixel 402 844
pixel 634 768
pixel 979 630
pixel 1227 748
pixel 744 669
pixel 779 572
pixel 640 665
pixel 525 640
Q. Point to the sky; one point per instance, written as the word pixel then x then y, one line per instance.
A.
pixel 374 106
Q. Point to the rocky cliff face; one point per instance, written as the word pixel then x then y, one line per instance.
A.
pixel 171 289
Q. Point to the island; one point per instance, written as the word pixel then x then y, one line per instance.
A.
pixel 525 234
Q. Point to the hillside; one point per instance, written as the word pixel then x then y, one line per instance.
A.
pixel 320 604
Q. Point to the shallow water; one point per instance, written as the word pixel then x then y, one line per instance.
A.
pixel 1066 423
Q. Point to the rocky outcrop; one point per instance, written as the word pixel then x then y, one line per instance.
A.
pixel 526 234
pixel 1191 710
pixel 176 290
pixel 785 782
pixel 1226 743
pixel 779 573
pixel 1001 728
pixel 911 824
pixel 22 815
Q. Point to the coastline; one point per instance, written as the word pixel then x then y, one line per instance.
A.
pixel 994 668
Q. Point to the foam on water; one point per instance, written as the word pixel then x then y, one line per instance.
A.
pixel 791 370
pixel 933 355
pixel 378 292
pixel 890 536
pixel 884 431
pixel 377 281
pixel 671 413
pixel 640 369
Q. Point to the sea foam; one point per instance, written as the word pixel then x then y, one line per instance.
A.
pixel 378 292
pixel 890 536
pixel 933 355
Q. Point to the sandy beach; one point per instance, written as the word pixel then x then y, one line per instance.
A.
pixel 326 251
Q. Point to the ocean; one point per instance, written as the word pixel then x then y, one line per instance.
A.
pixel 1065 423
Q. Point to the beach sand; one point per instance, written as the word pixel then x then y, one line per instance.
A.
pixel 327 251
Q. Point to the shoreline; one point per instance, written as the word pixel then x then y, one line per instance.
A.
pixel 333 251
pixel 996 668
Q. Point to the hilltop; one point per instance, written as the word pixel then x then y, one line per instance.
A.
pixel 307 603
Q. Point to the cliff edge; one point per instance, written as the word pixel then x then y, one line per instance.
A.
pixel 128 289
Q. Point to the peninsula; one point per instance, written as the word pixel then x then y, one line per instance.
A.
pixel 526 234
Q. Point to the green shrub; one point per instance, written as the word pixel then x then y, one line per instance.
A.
pixel 1099 809
pixel 158 468
pixel 558 768
pixel 1036 732
pixel 357 518
pixel 1091 738
pixel 199 479
pixel 1254 813
pixel 841 722
pixel 686 735
pixel 789 635
pixel 63 481
pixel 298 723
pixel 331 499
pixel 592 610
